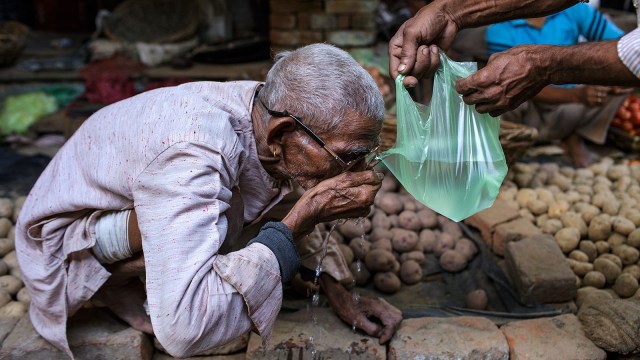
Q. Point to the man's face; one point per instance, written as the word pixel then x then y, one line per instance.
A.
pixel 308 163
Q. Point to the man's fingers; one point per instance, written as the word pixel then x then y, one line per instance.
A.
pixel 367 326
pixel 409 50
pixel 395 48
pixel 427 61
pixel 465 86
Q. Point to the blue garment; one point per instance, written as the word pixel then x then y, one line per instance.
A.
pixel 563 28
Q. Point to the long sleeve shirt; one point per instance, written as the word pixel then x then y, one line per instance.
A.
pixel 185 158
pixel 629 51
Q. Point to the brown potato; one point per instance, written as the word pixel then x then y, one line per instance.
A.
pixel 23 297
pixel 360 248
pixel 452 229
pixel 626 285
pixel 616 239
pixel 394 220
pixel 633 270
pixel 588 212
pixel 568 239
pixel 627 254
pixel 387 282
pixel 409 220
pixel 5 227
pixel 599 228
pixel 347 253
pixel 613 258
pixel 578 255
pixel 610 270
pixel 428 218
pixel 622 225
pixel 476 299
pixel 428 240
pixel 603 247
pixel 595 279
pixel 390 203
pixel 384 244
pixel 558 208
pixel 6 207
pixel 5 297
pixel 453 261
pixel 13 309
pixel 411 272
pixel 634 239
pixel 380 220
pixel 589 248
pixel 574 220
pixel 379 260
pixel 403 240
pixel 389 183
pixel 6 246
pixel 524 196
pixel 467 248
pixel 361 275
pixel 551 226
pixel 537 207
pixel 580 268
pixel 417 256
pixel 352 229
pixel 380 233
pixel 445 242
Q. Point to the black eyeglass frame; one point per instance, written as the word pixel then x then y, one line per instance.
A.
pixel 344 164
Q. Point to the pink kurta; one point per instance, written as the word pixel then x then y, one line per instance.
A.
pixel 185 158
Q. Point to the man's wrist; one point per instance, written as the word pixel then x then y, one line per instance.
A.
pixel 278 238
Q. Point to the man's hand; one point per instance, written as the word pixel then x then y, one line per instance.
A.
pixel 361 312
pixel 509 79
pixel 413 50
pixel 348 195
pixel 591 95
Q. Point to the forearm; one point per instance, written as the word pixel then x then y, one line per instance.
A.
pixel 474 13
pixel 555 95
pixel 588 63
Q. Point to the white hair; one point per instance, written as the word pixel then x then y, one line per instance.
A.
pixel 322 84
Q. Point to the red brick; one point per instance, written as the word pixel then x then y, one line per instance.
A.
pixel 363 21
pixel 282 21
pixel 351 37
pixel 344 22
pixel 463 337
pixel 323 22
pixel 294 38
pixel 486 220
pixel 539 270
pixel 560 337
pixel 351 6
pixel 512 231
pixel 292 6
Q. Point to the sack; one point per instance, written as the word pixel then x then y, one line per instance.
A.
pixel 447 155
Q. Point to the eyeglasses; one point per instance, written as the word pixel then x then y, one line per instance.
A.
pixel 346 165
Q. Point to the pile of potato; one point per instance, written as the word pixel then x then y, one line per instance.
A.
pixel 14 299
pixel 398 233
pixel 594 215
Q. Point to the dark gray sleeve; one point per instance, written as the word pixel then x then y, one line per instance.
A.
pixel 279 239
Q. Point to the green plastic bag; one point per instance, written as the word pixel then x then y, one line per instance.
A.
pixel 21 111
pixel 447 155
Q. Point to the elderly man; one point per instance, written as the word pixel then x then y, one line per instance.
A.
pixel 516 75
pixel 162 184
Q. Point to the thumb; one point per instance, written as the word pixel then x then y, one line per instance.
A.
pixel 465 86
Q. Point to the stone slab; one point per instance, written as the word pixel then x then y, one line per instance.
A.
pixel 560 337
pixel 486 220
pixel 93 334
pixel 162 356
pixel 332 339
pixel 463 337
pixel 539 270
pixel 236 345
pixel 514 230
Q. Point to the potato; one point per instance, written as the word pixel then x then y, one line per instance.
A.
pixel 611 208
pixel 578 255
pixel 578 281
pixel 558 208
pixel 616 172
pixel 409 220
pixel 428 240
pixel 411 272
pixel 428 218
pixel 627 254
pixel 353 229
pixel 546 196
pixel 633 270
pixel 360 248
pixel 5 297
pixel 453 261
pixel 610 270
pixel 623 184
pixel 380 220
pixel 551 226
pixel 389 183
pixel 23 297
pixel 5 227
pixel 525 213
pixel 379 260
pixel 467 248
pixel 390 203
pixel 523 180
pixel 380 233
pixel 10 283
pixel 537 207
pixel 360 275
pixel 6 246
pixel 6 208
pixel 584 189
pixel 601 198
pixel 613 258
pixel 417 256
pixel 634 216
pixel 561 181
pixel 17 273
pixel 386 282
pixel 634 239
pixel 616 239
pixel 444 242
pixel 599 228
pixel 574 220
pixel 384 244
pixel 595 279
pixel 589 248
pixel 403 240
pixel 394 220
pixel 584 173
pixel 588 294
pixel 347 253
pixel 567 239
pixel 476 299
pixel 452 229
pixel 588 212
pixel 524 196
pixel 13 309
pixel 626 285
pixel 580 268
pixel 603 247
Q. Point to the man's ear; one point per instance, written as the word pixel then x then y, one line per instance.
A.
pixel 276 129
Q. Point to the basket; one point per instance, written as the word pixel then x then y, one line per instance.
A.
pixel 514 138
pixel 153 21
pixel 13 39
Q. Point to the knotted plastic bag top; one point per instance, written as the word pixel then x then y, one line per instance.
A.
pixel 447 155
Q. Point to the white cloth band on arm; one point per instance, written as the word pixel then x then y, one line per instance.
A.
pixel 112 237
